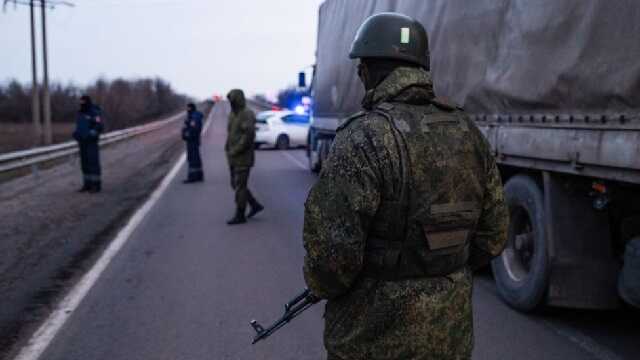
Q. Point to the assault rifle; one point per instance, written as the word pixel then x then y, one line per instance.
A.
pixel 292 309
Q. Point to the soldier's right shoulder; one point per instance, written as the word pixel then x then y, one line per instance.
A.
pixel 358 120
pixel 348 122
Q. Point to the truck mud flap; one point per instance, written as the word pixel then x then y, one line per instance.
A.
pixel 629 282
pixel 584 270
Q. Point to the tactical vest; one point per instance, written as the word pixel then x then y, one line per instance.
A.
pixel 415 239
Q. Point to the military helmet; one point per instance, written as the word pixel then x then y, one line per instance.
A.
pixel 392 36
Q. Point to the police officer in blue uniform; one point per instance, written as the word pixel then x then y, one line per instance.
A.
pixel 191 132
pixel 89 126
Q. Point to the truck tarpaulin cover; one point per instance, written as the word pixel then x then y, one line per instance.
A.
pixel 500 56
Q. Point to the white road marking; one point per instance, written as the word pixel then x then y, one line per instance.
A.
pixel 294 160
pixel 209 120
pixel 586 343
pixel 43 337
pixel 583 341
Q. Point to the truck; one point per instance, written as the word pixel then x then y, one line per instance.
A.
pixel 555 88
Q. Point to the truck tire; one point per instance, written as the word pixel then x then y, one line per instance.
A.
pixel 313 154
pixel 318 155
pixel 522 270
pixel 324 145
pixel 629 281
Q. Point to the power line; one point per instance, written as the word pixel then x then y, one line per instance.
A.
pixel 46 100
pixel 51 4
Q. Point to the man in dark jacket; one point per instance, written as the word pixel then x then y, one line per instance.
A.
pixel 239 148
pixel 191 132
pixel 408 205
pixel 89 126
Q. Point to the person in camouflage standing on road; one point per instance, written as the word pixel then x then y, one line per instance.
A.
pixel 239 148
pixel 407 206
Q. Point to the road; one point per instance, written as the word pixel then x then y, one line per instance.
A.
pixel 185 285
pixel 49 233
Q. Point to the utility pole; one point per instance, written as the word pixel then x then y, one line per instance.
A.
pixel 46 100
pixel 35 93
pixel 35 97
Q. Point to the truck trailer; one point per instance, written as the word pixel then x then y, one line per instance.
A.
pixel 555 88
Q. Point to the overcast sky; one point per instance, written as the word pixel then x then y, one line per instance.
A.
pixel 201 46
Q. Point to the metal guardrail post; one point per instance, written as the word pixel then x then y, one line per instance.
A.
pixel 35 171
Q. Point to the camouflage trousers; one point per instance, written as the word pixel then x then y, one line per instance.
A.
pixel 239 183
pixel 333 357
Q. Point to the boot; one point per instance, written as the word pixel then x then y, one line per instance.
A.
pixel 256 207
pixel 95 187
pixel 84 188
pixel 239 218
pixel 193 178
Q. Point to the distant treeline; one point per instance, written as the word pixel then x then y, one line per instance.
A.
pixel 125 103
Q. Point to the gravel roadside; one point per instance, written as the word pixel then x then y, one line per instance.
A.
pixel 49 233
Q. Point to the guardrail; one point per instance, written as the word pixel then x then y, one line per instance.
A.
pixel 33 157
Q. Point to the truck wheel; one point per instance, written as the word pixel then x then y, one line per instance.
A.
pixel 282 143
pixel 314 161
pixel 522 270
pixel 324 146
pixel 318 155
pixel 313 154
pixel 629 280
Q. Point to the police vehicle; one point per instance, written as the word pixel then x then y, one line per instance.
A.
pixel 281 129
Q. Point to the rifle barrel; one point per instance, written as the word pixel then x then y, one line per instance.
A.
pixel 293 309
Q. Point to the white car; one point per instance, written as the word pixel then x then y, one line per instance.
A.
pixel 281 129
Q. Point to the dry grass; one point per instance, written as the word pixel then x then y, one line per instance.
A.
pixel 19 136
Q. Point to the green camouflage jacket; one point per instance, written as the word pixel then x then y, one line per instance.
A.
pixel 241 132
pixel 451 163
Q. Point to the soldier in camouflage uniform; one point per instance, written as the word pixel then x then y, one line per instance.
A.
pixel 239 148
pixel 407 206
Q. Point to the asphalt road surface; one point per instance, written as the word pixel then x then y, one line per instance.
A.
pixel 185 285
pixel 50 233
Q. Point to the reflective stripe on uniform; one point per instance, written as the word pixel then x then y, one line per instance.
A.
pixel 91 177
